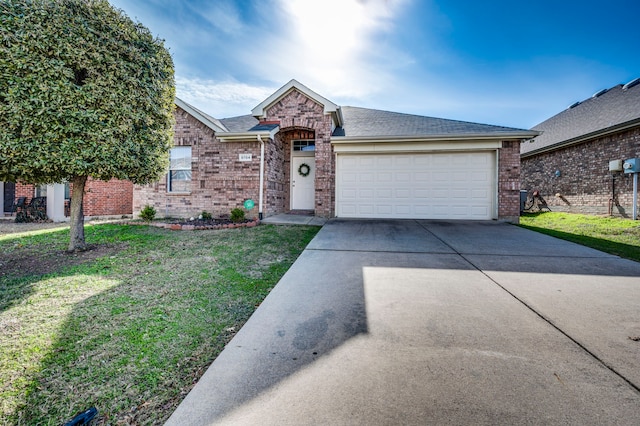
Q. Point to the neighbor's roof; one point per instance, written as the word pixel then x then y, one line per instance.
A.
pixel 368 123
pixel 605 112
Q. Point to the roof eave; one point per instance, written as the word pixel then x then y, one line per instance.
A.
pixel 505 136
pixel 582 138
pixel 198 116
pixel 247 136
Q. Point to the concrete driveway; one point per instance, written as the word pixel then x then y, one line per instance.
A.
pixel 434 322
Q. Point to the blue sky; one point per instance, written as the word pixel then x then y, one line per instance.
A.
pixel 499 62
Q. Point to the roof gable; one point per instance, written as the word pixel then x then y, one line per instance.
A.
pixel 329 107
pixel 213 123
pixel 605 112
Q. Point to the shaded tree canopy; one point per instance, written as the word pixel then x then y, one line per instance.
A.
pixel 84 91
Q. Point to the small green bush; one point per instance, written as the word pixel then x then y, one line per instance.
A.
pixel 206 215
pixel 237 215
pixel 148 213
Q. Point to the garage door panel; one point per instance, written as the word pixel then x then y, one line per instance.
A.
pixel 428 185
pixel 421 194
pixel 383 177
pixel 366 194
pixel 384 193
pixel 403 193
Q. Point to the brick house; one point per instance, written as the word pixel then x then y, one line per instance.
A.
pixel 112 198
pixel 568 163
pixel 298 151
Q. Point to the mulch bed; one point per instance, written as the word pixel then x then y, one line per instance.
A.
pixel 198 224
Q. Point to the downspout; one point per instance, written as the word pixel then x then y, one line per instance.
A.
pixel 261 177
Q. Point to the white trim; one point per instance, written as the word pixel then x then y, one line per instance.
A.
pixel 247 136
pixel 501 136
pixel 425 146
pixel 216 125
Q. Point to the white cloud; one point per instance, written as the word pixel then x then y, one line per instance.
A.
pixel 333 46
pixel 223 15
pixel 221 99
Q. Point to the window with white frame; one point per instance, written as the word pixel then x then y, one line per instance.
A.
pixel 179 178
pixel 304 145
pixel 40 190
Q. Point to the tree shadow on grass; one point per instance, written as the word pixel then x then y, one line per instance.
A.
pixel 22 268
pixel 136 348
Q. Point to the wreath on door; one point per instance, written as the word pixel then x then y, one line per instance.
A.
pixel 304 169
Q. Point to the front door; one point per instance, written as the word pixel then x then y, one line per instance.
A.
pixel 303 173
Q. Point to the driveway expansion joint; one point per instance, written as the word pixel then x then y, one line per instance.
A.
pixel 532 309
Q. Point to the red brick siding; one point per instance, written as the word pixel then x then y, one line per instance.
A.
pixel 219 181
pixel 101 198
pixel 585 183
pixel 509 181
pixel 114 197
pixel 297 112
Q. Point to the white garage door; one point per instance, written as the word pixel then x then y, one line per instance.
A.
pixel 416 186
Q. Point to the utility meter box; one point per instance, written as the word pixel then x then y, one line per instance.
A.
pixel 631 165
pixel 615 165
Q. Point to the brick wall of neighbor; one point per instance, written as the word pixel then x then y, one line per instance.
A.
pixel 219 181
pixel 111 198
pixel 101 198
pixel 295 111
pixel 509 181
pixel 585 184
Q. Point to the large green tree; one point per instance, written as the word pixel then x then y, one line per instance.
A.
pixel 84 91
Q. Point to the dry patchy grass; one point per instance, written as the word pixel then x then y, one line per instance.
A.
pixel 130 325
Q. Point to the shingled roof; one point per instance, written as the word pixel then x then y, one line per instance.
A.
pixel 364 122
pixel 605 112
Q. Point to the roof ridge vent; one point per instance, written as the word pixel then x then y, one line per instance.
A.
pixel 632 83
pixel 600 93
pixel 573 105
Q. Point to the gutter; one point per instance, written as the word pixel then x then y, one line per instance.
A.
pixel 246 136
pixel 261 176
pixel 250 137
pixel 444 137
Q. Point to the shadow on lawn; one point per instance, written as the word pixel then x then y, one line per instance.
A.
pixel 135 349
pixel 24 267
pixel 121 352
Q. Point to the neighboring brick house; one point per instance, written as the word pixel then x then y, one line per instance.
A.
pixel 112 198
pixel 312 155
pixel 568 163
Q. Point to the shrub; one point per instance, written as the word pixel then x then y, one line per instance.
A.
pixel 237 215
pixel 148 213
pixel 206 215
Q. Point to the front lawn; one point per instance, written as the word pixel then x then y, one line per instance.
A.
pixel 612 235
pixel 130 325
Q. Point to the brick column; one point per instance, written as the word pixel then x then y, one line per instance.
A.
pixel 509 181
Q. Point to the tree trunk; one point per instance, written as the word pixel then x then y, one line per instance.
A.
pixel 76 230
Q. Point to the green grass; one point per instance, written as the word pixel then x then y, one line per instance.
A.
pixel 611 235
pixel 131 325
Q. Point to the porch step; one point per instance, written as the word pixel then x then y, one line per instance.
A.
pixel 302 212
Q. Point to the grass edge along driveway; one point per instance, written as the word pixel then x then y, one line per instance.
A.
pixel 131 325
pixel 612 235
